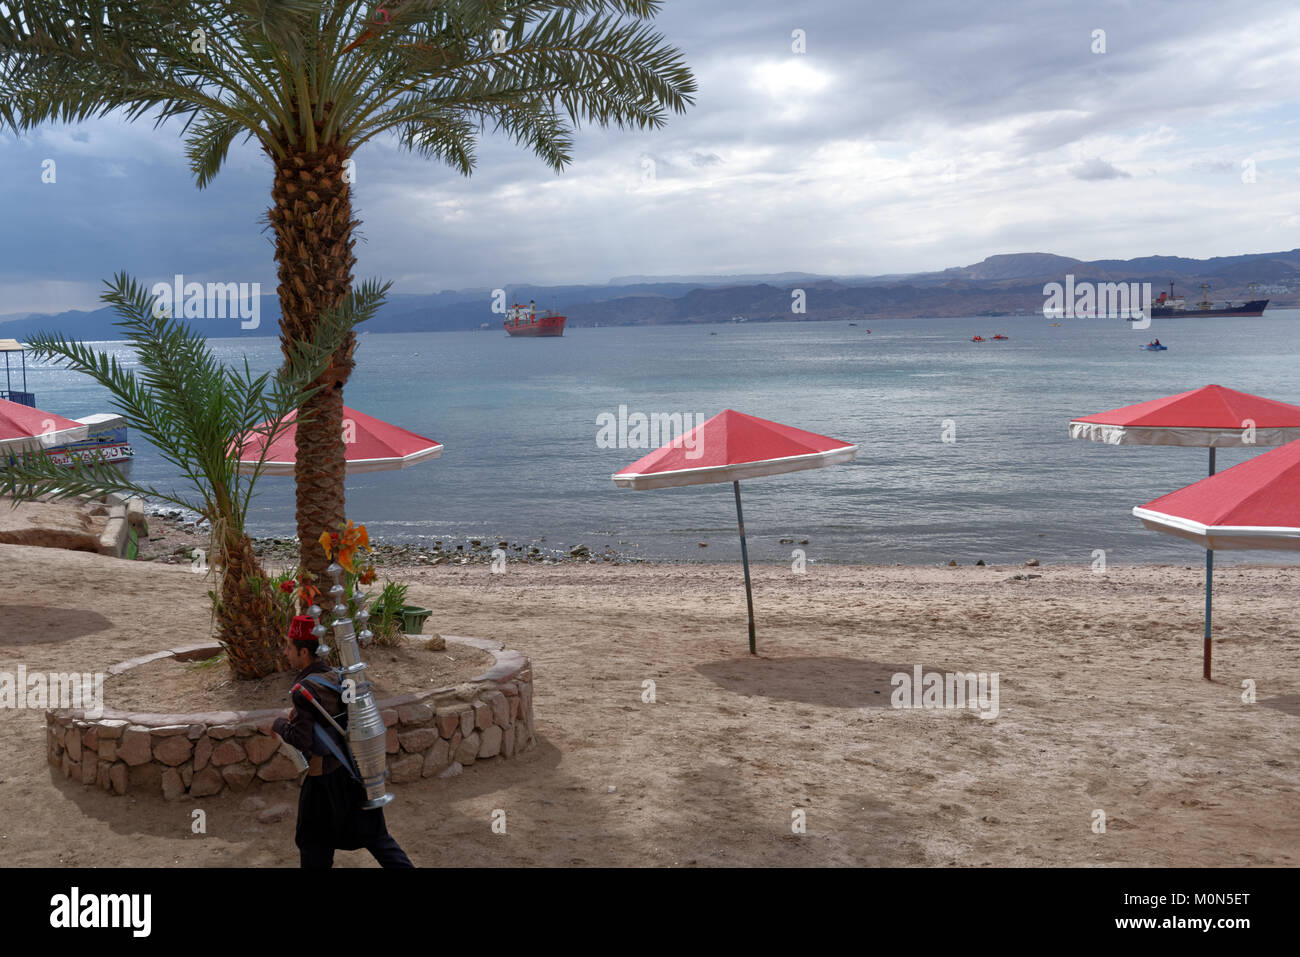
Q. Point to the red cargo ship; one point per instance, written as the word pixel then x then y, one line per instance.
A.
pixel 526 321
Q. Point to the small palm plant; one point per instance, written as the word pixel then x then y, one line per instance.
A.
pixel 386 621
pixel 199 414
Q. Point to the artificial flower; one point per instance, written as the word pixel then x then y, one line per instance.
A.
pixel 309 593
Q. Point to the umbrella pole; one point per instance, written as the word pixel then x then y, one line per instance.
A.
pixel 744 557
pixel 1209 593
pixel 1209 585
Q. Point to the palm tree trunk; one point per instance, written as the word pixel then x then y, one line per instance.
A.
pixel 313 225
pixel 246 623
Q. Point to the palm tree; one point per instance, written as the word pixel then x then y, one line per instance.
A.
pixel 199 415
pixel 312 81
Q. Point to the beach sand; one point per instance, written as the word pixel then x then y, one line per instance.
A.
pixel 1101 708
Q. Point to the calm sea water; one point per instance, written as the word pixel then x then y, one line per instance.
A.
pixel 518 419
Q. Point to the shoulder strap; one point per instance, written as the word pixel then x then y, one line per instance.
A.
pixel 319 679
pixel 327 741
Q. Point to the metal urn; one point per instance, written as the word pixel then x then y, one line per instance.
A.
pixel 366 732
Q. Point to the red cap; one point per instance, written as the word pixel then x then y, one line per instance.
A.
pixel 300 628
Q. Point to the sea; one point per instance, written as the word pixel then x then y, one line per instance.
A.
pixel 964 447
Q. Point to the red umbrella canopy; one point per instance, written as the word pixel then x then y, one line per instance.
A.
pixel 372 446
pixel 733 446
pixel 1252 505
pixel 23 428
pixel 1211 416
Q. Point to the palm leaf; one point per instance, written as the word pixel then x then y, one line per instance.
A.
pixel 197 413
pixel 296 74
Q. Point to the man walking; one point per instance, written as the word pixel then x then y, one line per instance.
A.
pixel 330 812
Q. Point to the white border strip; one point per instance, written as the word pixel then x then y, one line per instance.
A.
pixel 736 472
pixel 46 441
pixel 356 467
pixel 1187 437
pixel 1282 537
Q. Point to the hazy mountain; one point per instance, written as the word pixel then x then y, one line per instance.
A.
pixel 1016 266
pixel 741 280
pixel 1001 284
pixel 1254 267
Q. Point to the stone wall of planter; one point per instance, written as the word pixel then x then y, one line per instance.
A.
pixel 196 755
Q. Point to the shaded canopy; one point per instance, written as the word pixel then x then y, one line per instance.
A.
pixel 24 429
pixel 1212 416
pixel 372 446
pixel 733 446
pixel 1252 505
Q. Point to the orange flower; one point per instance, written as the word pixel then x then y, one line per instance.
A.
pixel 352 538
pixel 309 593
pixel 345 557
pixel 368 576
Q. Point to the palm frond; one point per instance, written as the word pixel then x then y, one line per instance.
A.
pixel 196 412
pixel 299 74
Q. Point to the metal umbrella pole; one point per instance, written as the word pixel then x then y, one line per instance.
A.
pixel 1209 592
pixel 744 558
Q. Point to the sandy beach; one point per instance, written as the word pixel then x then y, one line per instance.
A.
pixel 1101 708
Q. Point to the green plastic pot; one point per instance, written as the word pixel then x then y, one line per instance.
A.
pixel 414 617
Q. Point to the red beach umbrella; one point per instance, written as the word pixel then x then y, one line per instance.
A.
pixel 1252 505
pixel 727 448
pixel 1212 416
pixel 372 446
pixel 24 429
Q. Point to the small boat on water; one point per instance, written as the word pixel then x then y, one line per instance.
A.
pixel 977 339
pixel 527 322
pixel 1001 336
pixel 1155 347
pixel 105 441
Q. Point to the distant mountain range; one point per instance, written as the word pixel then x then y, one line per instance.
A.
pixel 1000 285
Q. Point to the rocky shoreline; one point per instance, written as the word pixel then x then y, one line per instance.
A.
pixel 174 540
pixel 468 551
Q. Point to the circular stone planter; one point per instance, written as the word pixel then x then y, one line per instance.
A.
pixel 202 754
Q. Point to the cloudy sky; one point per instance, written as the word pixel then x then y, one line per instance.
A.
pixel 907 136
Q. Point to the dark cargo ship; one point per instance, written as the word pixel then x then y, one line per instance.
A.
pixel 1170 305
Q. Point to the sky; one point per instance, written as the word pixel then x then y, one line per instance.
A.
pixel 839 138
